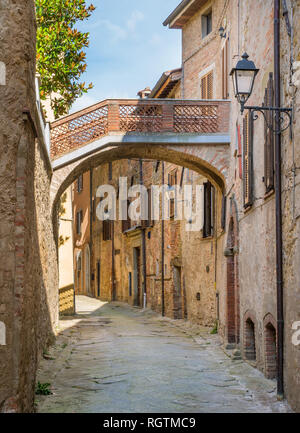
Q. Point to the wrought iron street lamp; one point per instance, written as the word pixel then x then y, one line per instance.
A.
pixel 243 77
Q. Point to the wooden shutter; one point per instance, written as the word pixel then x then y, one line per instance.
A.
pixel 172 181
pixel 269 137
pixel 225 72
pixel 223 216
pixel 150 220
pixel 107 230
pixel 207 228
pixel 207 86
pixel 247 160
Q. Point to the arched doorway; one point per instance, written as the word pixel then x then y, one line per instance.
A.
pixel 232 291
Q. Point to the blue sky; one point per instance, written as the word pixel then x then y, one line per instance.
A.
pixel 129 48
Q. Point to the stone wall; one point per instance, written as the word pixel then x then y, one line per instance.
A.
pixel 290 74
pixel 28 297
pixel 250 265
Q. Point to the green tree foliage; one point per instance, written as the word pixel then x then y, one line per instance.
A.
pixel 61 59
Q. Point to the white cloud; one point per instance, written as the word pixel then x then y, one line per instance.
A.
pixel 135 17
pixel 117 32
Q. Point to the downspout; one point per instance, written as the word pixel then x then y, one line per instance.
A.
pixel 113 261
pixel 162 244
pixel 91 228
pixel 143 248
pixel 278 200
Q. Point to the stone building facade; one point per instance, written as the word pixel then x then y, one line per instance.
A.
pixel 248 298
pixel 81 234
pixel 243 245
pixel 232 279
pixel 28 285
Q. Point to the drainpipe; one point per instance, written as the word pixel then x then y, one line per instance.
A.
pixel 162 244
pixel 278 199
pixel 113 273
pixel 91 228
pixel 143 248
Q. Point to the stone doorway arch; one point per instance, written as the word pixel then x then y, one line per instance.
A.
pixel 232 289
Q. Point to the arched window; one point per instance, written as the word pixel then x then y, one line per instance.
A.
pixel 249 343
pixel 270 351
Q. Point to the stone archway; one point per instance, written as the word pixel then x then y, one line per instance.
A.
pixel 211 161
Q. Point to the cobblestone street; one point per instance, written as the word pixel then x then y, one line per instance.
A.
pixel 115 358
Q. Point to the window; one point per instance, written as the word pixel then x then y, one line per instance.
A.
pixel 247 161
pixel 107 230
pixel 79 219
pixel 206 21
pixel 209 199
pixel 80 183
pixel 249 341
pixel 172 181
pixel 225 72
pixel 207 86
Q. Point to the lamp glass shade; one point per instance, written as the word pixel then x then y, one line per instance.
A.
pixel 245 81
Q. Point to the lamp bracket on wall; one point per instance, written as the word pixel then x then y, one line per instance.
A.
pixel 285 116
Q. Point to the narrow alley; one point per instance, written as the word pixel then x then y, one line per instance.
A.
pixel 116 358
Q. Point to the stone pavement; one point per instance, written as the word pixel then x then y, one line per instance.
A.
pixel 115 358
